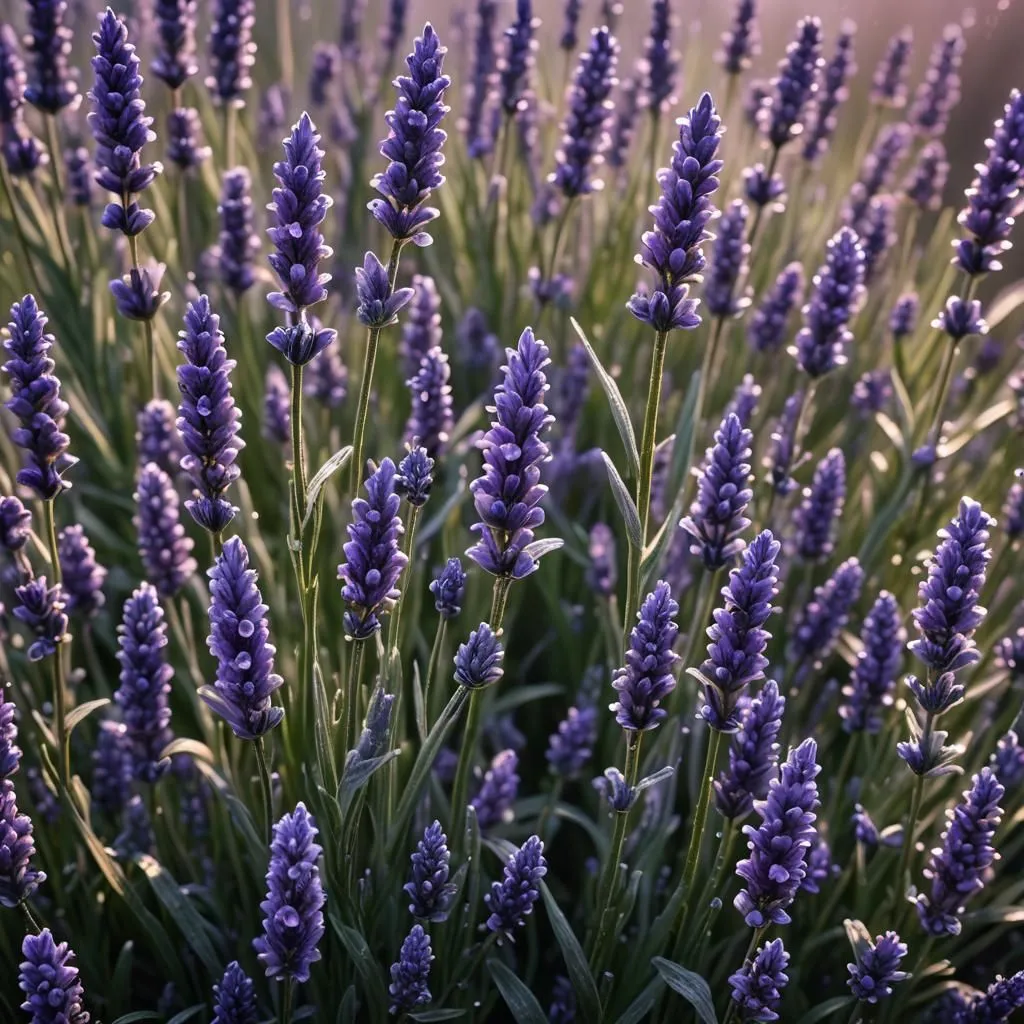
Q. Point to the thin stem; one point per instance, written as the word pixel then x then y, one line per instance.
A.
pixel 183 227
pixel 730 1013
pixel 759 212
pixel 265 784
pixel 230 128
pixel 366 384
pixel 59 688
pixel 435 658
pixel 460 787
pixel 725 845
pixel 941 390
pixel 33 924
pixel 915 809
pixel 352 694
pixel 19 227
pixel 298 448
pixel 549 807
pixel 151 360
pixel 286 1001
pixel 63 239
pixel 394 636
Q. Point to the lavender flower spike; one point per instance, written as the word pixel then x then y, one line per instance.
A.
pixel 833 94
pixel 820 623
pixel 232 51
pixel 449 588
pixel 294 922
pixel 673 248
pixel 778 846
pixel 478 660
pixel 276 406
pixel 519 57
pixel 838 288
pixel 53 84
pixel 120 127
pixel 877 968
pixel 757 986
pixel 175 60
pixel 996 1004
pixel 430 892
pixel 299 208
pixel 409 986
pixel 207 417
pixel 889 85
pixel 878 663
pixel 18 879
pixel 716 518
pixel 239 640
pixel 753 754
pixel 511 900
pixel 781 117
pixel 498 790
pixel 35 401
pixel 41 609
pixel 815 520
pixel 482 75
pixel 145 682
pixel 940 91
pixel 431 418
pixel 766 329
pixel 413 145
pixel 374 561
pixel 415 476
pixel 53 993
pixel 163 544
pixel 742 41
pixel 648 676
pixel 234 998
pixel 957 870
pixel 728 263
pixel 237 244
pixel 82 577
pixel 421 331
pixel 156 436
pixel 736 654
pixel 507 496
pixel 659 61
pixel 993 198
pixel 584 137
pixel 570 748
pixel 10 752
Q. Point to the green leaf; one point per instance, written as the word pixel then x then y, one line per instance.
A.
pixel 357 776
pixel 519 695
pixel 641 1007
pixel 83 711
pixel 522 1003
pixel 347 1008
pixel 620 413
pixel 692 987
pixel 859 936
pixel 1004 304
pixel 131 1018
pixel 195 749
pixel 432 1015
pixel 627 509
pixel 825 1011
pixel 323 474
pixel 365 963
pixel 181 910
pixel 575 960
pixel 192 1011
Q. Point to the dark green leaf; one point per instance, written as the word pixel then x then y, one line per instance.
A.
pixel 575 960
pixel 189 1014
pixel 641 1007
pixel 825 1011
pixel 692 987
pixel 83 711
pixel 432 1015
pixel 627 509
pixel 365 963
pixel 522 1003
pixel 137 1015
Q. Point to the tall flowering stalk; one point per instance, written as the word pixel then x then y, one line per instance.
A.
pixel 673 250
pixel 413 149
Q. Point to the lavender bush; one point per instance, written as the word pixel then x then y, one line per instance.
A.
pixel 550 550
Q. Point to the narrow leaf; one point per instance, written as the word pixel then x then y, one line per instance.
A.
pixel 1008 300
pixel 575 960
pixel 692 987
pixel 200 751
pixel 641 1007
pixel 433 1015
pixel 189 1014
pixel 83 711
pixel 522 1003
pixel 827 1011
pixel 627 509
pixel 365 963
pixel 137 1015
pixel 323 474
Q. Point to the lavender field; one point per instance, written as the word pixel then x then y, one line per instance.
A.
pixel 512 517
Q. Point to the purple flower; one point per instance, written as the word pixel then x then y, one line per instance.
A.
pixel 112 769
pixel 753 754
pixel 876 173
pixel 757 95
pixel 18 879
pixel 879 235
pixel 761 188
pixel 42 610
pixel 478 660
pixel 299 208
pixel 53 993
pixel 373 558
pixel 569 38
pixel 449 589
pixel 136 835
pixel 10 752
pixel 889 83
pixel 137 295
pixel 998 1003
pixel 903 318
pixel 570 748
pixel 648 676
pixel 878 664
pixel 961 319
pixel 992 199
pixel 326 378
pixel 659 64
pixel 957 870
pixel 145 682
pixel 12 82
pixel 563 1001
pixel 822 506
pixel 757 986
pixel 324 71
pixel 742 41
pixel 353 14
pixel 820 623
pixel 716 520
pixel 156 436
pixel 431 418
pixel 517 63
pixel 780 457
pixel 207 417
pixel 240 641
pixel 940 91
pixel 237 243
pixel 511 900
pixel 185 147
pixel 1007 761
pixel 819 866
pixel 673 248
pixel 421 331
pixel 82 578
pixel 927 179
pixel 781 118
pixel 623 127
pixel 392 32
pixel 15 524
pixel 877 968
pixel 601 572
pixel 498 790
pixel 277 419
pixel 778 847
pixel 767 327
pixel 872 392
pixel 415 477
pixel 584 137
pixel 744 399
pixel 413 145
pixel 832 94
pixel 838 288
pixel 508 494
pixel 410 974
pixel 175 60
pixel 234 998
pixel 294 921
pixel 736 654
pixel 232 51
pixel 378 302
pixel 54 83
pixel 120 127
pixel 430 892
pixel 474 124
pixel 35 401
pixel 1010 655
pixel 728 263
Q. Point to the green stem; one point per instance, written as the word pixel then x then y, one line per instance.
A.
pixel 352 695
pixel 435 658
pixel 606 901
pixel 183 227
pixel 151 361
pixel 286 1001
pixel 725 845
pixel 60 223
pixel 33 924
pixel 298 450
pixel 909 832
pixel 759 212
pixel 284 44
pixel 366 384
pixel 265 784
pixel 59 689
pixel 394 636
pixel 460 787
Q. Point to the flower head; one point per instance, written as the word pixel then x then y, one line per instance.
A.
pixel 234 998
pixel 767 327
pixel 939 92
pixel 820 623
pixel 175 60
pixel 429 891
pixel 42 610
pixel 53 993
pixel 165 548
pixel 10 752
pixel 276 406
pixel 889 84
pixel 757 986
pixel 877 968
pixel 156 436
pixel 516 64
pixel 18 879
pixel 822 507
pixel 728 263
pixel 379 303
pixel 237 243
pixel 742 41
pixel 449 588
pixel 232 51
pixel 781 117
pixel 878 663
pixel 113 769
pixel 511 900
pixel 409 986
pixel 570 748
pixel 415 476
pixel 831 94
pixel 421 331
pixel 431 418
pixel 498 790
pixel 478 660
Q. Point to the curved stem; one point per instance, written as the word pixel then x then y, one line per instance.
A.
pixel 460 787
pixel 265 785
pixel 298 448
pixel 33 924
pixel 60 707
pixel 435 658
pixel 915 809
pixel 19 227
pixel 351 695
